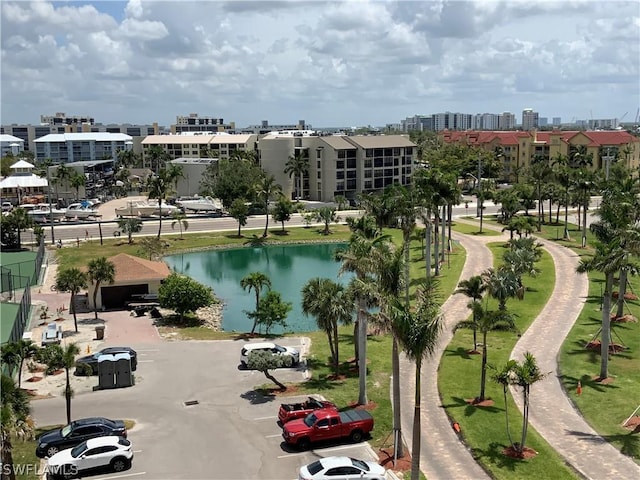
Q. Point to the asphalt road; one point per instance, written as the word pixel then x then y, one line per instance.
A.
pixel 230 434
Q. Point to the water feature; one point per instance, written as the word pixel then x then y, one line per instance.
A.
pixel 289 267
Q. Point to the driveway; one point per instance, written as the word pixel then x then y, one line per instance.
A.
pixel 231 433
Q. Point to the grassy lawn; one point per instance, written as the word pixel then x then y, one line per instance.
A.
pixel 484 428
pixel 473 229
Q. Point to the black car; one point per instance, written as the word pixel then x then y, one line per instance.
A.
pixel 53 441
pixel 91 361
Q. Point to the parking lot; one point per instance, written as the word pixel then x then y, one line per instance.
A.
pixel 230 433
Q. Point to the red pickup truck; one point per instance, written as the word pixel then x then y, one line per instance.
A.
pixel 327 424
pixel 291 411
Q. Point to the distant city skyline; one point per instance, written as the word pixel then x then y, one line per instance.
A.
pixel 329 63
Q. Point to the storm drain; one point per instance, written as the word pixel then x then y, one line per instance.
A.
pixel 190 403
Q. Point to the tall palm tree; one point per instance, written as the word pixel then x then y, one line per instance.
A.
pixel 297 166
pixel 473 288
pixel 331 304
pixel 502 284
pixel 160 186
pixel 16 423
pixel 100 270
pixel 76 181
pixel 127 159
pixel 265 190
pixel 64 174
pixel 539 172
pixel 16 353
pixel 486 321
pixel 256 281
pixel 157 158
pixel 19 220
pixel 418 332
pixel 71 280
pixel 562 171
pixel 68 361
pixel 180 219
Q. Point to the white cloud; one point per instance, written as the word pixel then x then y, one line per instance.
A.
pixel 331 63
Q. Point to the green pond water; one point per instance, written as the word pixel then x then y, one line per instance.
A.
pixel 289 267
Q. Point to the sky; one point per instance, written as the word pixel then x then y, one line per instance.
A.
pixel 343 63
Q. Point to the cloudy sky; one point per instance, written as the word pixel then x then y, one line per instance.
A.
pixel 348 63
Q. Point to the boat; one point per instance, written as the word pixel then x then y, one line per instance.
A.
pixel 145 209
pixel 81 210
pixel 44 213
pixel 129 210
pixel 200 204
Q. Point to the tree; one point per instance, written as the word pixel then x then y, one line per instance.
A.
pixel 76 181
pixel 68 361
pixel 486 321
pixel 523 375
pixel 255 281
pixel 418 332
pixel 71 280
pixel 157 158
pixel 331 304
pixel 502 284
pixel 100 271
pixel 473 288
pixel 20 221
pixel 540 171
pixel 231 179
pixel 159 187
pixel 153 247
pixel 265 189
pixel 179 219
pixel 297 166
pixel 562 172
pixel 15 353
pixel 271 311
pixel 264 361
pixel 127 159
pixel 183 295
pixel 16 422
pixel 240 211
pixel 282 210
pixel 327 215
pixel 130 226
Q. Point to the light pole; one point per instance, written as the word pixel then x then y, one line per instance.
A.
pixel 607 164
pixel 479 186
pixel 53 236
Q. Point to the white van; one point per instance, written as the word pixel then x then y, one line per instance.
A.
pixel 274 348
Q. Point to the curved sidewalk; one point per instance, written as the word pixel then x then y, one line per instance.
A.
pixel 552 414
pixel 443 455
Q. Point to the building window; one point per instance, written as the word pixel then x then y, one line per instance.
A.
pixel 367 185
pixel 318 165
pixel 351 184
pixel 351 174
pixel 367 163
pixel 340 164
pixel 368 152
pixel 318 153
pixel 340 186
pixel 340 175
pixel 342 154
pixel 351 163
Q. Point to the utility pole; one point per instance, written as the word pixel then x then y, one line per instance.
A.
pixel 53 236
pixel 479 202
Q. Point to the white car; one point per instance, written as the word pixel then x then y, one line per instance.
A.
pixel 96 453
pixel 274 348
pixel 343 468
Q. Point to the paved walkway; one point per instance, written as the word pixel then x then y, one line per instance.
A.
pixel 443 456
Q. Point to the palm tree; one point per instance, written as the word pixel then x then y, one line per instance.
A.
pixel 331 304
pixel 127 159
pixel 562 172
pixel 240 211
pixel 63 175
pixel 16 353
pixel 68 361
pixel 100 270
pixel 473 288
pixel 16 422
pixel 256 281
pixel 180 219
pixel 486 320
pixel 130 226
pixel 174 172
pixel 71 280
pixel 539 172
pixel 418 333
pixel 157 158
pixel 297 166
pixel 326 215
pixel 502 284
pixel 76 181
pixel 19 220
pixel 265 189
pixel 159 188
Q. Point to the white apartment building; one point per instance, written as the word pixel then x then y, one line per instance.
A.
pixel 205 124
pixel 339 164
pixel 219 145
pixel 78 147
pixel 10 144
pixel 506 121
pixel 530 119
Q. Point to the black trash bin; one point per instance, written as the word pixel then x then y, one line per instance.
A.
pixel 100 332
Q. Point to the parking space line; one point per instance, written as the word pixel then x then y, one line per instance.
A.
pixel 137 451
pixel 121 476
pixel 265 418
pixel 345 447
pixel 146 361
pixel 273 436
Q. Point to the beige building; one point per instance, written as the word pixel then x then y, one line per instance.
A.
pixel 520 148
pixel 339 164
pixel 134 276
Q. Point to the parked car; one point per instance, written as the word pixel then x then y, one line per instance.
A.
pixel 7 206
pixel 291 411
pixel 274 348
pixel 88 365
pixel 53 441
pixel 327 424
pixel 94 454
pixel 347 468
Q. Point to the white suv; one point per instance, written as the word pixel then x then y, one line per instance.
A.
pixel 274 348
pixel 93 454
